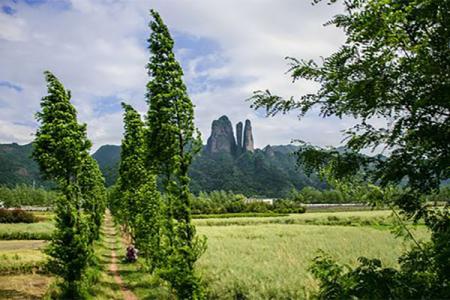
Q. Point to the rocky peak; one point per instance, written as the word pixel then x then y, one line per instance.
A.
pixel 248 144
pixel 239 128
pixel 222 137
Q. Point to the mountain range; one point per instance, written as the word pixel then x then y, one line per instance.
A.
pixel 227 162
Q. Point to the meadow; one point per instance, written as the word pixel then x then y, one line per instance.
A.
pixel 247 257
pixel 271 260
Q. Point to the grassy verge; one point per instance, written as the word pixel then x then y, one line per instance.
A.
pixel 23 231
pixel 137 279
pixel 105 287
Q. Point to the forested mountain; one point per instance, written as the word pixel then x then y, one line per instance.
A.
pixel 108 158
pixel 225 163
pixel 269 172
pixel 16 166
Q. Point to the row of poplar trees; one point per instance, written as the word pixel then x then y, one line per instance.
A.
pixel 61 149
pixel 152 193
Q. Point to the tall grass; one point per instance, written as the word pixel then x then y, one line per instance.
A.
pixel 270 261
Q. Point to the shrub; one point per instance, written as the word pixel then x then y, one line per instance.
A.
pixel 16 216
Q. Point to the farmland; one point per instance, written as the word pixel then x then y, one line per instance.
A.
pixel 258 257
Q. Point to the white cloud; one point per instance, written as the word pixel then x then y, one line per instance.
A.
pixel 12 28
pixel 98 50
pixel 14 132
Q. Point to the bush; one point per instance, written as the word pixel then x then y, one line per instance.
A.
pixel 16 216
pixel 257 206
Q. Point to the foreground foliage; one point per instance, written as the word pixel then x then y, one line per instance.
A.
pixel 393 65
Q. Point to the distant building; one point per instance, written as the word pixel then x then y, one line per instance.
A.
pixel 264 200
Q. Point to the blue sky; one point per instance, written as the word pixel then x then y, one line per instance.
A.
pixel 98 49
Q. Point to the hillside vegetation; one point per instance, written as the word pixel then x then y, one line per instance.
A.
pixel 271 172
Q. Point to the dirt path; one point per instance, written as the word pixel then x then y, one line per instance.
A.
pixel 111 233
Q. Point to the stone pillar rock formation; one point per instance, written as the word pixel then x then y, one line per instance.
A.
pixel 248 137
pixel 222 137
pixel 239 136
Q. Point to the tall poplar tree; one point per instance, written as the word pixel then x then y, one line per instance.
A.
pixel 60 149
pixel 141 204
pixel 132 168
pixel 172 141
pixel 93 191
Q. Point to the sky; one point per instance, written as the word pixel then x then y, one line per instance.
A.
pixel 227 48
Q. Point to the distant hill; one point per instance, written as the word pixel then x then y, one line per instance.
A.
pixel 108 158
pixel 270 172
pixel 17 167
pixel 226 163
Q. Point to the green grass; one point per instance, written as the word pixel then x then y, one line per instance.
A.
pixel 135 278
pixel 44 216
pixel 348 218
pixel 247 257
pixel 105 288
pixel 23 231
pixel 263 259
pixel 271 260
pixel 238 215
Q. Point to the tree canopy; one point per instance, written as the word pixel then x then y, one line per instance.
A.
pixel 394 65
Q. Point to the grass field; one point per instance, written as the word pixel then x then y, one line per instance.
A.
pixel 249 257
pixel 271 260
pixel 348 218
pixel 23 231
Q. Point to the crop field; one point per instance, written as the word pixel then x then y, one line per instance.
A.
pixel 25 231
pixel 347 218
pixel 21 262
pixel 252 257
pixel 271 260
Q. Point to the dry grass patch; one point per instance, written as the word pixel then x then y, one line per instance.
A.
pixel 29 286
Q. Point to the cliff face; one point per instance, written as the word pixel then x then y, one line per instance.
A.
pixel 222 137
pixel 248 137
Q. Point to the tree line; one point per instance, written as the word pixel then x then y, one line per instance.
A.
pixel 159 149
